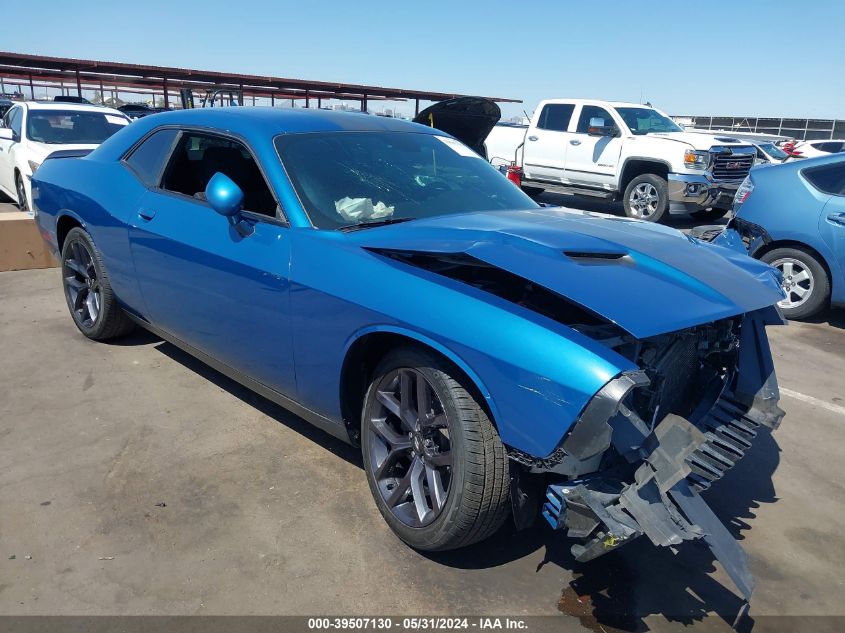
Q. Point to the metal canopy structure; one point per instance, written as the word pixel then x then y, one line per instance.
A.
pixel 28 70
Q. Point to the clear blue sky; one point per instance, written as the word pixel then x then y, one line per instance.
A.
pixel 738 57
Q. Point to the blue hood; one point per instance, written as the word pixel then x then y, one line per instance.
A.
pixel 646 278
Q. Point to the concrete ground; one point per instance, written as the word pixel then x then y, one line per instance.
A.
pixel 136 480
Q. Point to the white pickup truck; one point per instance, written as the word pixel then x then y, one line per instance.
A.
pixel 619 150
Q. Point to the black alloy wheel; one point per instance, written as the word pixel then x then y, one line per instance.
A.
pixel 82 284
pixel 409 447
pixel 88 292
pixel 435 464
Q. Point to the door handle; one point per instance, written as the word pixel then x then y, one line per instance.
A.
pixel 837 218
pixel 575 141
pixel 533 138
pixel 147 214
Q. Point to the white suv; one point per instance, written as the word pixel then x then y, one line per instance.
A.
pixel 30 131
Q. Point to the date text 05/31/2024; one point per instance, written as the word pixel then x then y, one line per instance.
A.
pixel 419 623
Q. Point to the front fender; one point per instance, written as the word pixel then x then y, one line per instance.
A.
pixel 536 374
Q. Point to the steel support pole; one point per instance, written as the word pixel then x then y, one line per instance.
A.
pixel 78 85
pixel 416 107
pixel 31 87
pixel 364 104
pixel 166 97
pixel 307 103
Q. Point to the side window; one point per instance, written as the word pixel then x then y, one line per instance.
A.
pixel 556 116
pixel 828 178
pixel 197 157
pixel 147 160
pixel 590 112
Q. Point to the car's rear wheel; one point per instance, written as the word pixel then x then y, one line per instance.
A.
pixel 434 461
pixel 23 203
pixel 707 215
pixel 646 198
pixel 805 281
pixel 89 296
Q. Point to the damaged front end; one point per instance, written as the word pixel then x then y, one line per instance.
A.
pixel 652 439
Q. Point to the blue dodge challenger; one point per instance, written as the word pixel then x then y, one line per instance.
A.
pixel 492 357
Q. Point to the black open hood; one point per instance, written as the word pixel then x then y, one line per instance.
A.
pixel 468 119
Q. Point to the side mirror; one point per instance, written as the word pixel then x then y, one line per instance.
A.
pixel 224 195
pixel 598 127
pixel 6 134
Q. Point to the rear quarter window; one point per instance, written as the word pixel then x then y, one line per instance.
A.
pixel 148 159
pixel 827 178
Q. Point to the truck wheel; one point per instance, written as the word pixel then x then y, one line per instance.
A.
pixel 434 461
pixel 805 282
pixel 708 215
pixel 646 198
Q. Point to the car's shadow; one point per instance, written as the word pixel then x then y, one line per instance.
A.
pixel 832 316
pixel 617 591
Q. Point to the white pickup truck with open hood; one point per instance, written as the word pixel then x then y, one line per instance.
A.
pixel 623 151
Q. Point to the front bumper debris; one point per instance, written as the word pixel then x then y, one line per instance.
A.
pixel 654 491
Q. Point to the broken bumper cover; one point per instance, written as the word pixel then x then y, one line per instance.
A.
pixel 657 494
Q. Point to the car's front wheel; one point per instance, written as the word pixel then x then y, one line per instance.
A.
pixel 88 292
pixel 434 461
pixel 805 281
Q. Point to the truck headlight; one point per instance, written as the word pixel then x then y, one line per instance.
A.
pixel 696 159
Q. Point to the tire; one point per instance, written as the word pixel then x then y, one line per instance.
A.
pixel 23 203
pixel 473 488
pixel 646 198
pixel 802 273
pixel 707 215
pixel 88 293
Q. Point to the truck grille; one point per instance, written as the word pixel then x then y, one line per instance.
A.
pixel 732 166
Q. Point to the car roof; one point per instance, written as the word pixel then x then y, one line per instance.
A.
pixel 65 106
pixel 269 121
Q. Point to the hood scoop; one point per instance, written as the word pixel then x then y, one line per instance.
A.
pixel 597 257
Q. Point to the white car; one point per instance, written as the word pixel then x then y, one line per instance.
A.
pixel 31 130
pixel 814 149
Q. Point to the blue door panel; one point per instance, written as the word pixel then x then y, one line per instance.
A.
pixel 225 294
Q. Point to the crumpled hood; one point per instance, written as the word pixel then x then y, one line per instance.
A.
pixel 646 278
pixel 699 141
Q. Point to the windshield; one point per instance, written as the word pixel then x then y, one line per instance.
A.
pixel 647 120
pixel 352 178
pixel 773 150
pixel 63 127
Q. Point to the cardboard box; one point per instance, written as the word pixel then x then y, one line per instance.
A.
pixel 21 245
